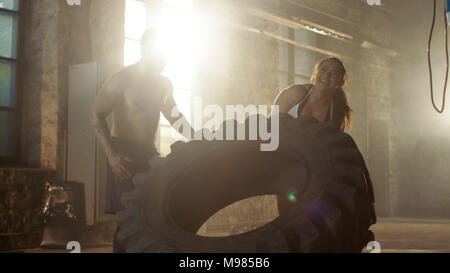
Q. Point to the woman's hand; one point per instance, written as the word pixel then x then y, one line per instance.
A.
pixel 117 162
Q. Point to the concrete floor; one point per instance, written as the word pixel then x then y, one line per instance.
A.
pixel 395 235
pixel 412 235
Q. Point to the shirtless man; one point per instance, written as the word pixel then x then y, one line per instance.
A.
pixel 135 96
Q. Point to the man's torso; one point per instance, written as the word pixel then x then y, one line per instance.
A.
pixel 137 111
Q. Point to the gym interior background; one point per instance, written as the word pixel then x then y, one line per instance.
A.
pixel 54 56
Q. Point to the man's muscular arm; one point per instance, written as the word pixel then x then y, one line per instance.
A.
pixel 169 105
pixel 167 110
pixel 103 106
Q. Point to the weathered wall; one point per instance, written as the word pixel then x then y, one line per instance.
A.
pixel 420 139
pixel 238 67
pixel 40 84
pixel 372 113
pixel 253 76
pixel 56 36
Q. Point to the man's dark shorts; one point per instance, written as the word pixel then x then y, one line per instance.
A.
pixel 115 188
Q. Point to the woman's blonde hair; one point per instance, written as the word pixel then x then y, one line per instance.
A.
pixel 342 114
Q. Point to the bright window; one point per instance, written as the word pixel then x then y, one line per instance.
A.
pixel 135 25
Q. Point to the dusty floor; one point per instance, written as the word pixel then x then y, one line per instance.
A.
pixel 412 235
pixel 395 235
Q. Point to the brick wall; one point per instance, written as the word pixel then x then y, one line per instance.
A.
pixel 55 36
pixel 21 202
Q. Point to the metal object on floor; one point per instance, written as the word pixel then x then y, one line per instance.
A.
pixel 63 215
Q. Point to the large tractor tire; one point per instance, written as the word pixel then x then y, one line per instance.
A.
pixel 318 167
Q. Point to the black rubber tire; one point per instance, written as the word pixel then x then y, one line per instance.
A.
pixel 316 162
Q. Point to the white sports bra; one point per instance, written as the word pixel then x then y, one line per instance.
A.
pixel 294 110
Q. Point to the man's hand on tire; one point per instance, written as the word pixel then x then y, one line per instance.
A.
pixel 117 162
